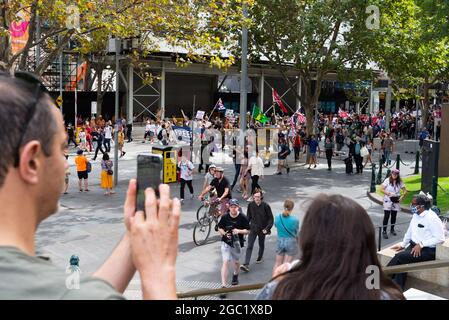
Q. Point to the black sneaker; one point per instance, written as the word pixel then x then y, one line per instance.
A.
pixel 288 170
pixel 279 173
pixel 216 228
pixel 244 267
pixel 235 279
pixel 393 233
pixel 384 234
pixel 259 260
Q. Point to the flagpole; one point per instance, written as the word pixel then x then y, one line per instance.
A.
pixel 214 109
pixel 272 106
pixel 192 136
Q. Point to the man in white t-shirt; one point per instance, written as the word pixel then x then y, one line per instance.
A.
pixel 107 137
pixel 153 132
pixel 255 166
pixel 186 172
pixel 147 131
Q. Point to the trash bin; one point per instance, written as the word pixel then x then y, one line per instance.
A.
pixel 169 162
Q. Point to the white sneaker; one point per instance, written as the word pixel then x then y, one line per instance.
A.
pixel 192 196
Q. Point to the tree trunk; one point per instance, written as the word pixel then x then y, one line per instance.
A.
pixel 309 107
pixel 4 40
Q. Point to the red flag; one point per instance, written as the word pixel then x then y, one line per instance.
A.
pixel 278 101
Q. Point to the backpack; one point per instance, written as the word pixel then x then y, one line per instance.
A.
pixel 89 167
pixel 159 135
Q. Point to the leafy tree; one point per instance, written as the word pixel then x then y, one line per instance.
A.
pixel 198 29
pixel 194 27
pixel 409 47
pixel 316 37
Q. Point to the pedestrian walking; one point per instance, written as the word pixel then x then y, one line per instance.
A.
pixel 329 149
pixel 358 156
pixel 313 146
pixel 129 131
pixel 255 168
pixel 71 135
pixel 83 140
pixel 100 139
pixel 297 145
pixel 121 141
pixel 67 172
pixel 149 132
pixel 283 153
pixel 244 175
pixel 232 227
pixel 186 172
pixel 388 148
pixel 260 219
pixel 107 137
pixel 287 227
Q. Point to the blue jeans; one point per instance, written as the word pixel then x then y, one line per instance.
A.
pixel 387 157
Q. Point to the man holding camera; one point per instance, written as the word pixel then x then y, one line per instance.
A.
pixel 423 234
pixel 232 227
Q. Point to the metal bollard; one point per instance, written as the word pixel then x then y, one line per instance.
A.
pixel 398 161
pixel 379 173
pixel 435 190
pixel 373 179
pixel 417 163
pixel 388 173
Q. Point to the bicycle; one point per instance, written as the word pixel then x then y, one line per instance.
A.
pixel 207 213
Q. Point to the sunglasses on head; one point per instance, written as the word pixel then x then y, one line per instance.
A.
pixel 38 90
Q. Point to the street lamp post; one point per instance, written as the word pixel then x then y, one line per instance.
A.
pixel 117 92
pixel 244 72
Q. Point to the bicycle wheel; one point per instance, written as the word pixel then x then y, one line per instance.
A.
pixel 201 232
pixel 202 212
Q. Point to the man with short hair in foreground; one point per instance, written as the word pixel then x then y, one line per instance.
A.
pixel 32 174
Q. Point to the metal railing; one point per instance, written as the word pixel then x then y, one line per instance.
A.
pixel 411 267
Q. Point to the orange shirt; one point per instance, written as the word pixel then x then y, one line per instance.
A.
pixel 81 163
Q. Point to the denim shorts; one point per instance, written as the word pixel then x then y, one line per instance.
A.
pixel 229 253
pixel 287 246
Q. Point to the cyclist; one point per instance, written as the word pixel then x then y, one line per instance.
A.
pixel 209 176
pixel 223 189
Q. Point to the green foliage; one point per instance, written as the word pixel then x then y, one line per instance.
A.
pixel 315 36
pixel 199 28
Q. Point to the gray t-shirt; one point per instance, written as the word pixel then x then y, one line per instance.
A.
pixel 26 277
